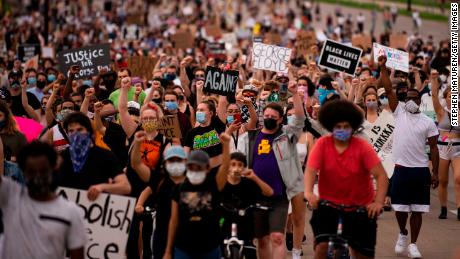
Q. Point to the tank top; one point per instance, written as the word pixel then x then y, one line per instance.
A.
pixel 302 152
pixel 444 124
pixel 60 143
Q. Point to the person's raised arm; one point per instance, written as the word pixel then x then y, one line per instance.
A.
pixel 185 82
pixel 127 123
pixel 336 87
pixel 49 114
pixel 199 91
pixel 68 85
pixel 97 82
pixel 434 152
pixel 172 228
pixel 97 118
pixel 435 95
pixel 221 177
pixel 384 81
pixel 253 118
pixel 163 57
pixel 25 103
pixel 222 108
pixel 145 194
pixel 298 107
pixel 353 87
pixel 381 178
pixel 142 170
pixel 264 187
pixel 89 93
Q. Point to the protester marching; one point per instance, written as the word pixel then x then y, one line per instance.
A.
pixel 216 129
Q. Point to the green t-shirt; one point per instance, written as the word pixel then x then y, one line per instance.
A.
pixel 115 96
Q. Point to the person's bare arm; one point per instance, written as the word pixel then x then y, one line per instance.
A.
pixel 435 95
pixel 434 152
pixel 222 108
pixel 141 169
pixel 309 182
pixel 418 81
pixel 162 58
pixel 49 114
pixel 199 91
pixel 384 81
pixel 145 194
pixel 127 123
pixel 221 177
pixel 68 85
pixel 382 187
pixel 85 104
pixel 35 115
pixel 264 187
pixel 99 125
pixel 185 82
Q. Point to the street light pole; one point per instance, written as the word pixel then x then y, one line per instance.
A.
pixel 409 5
pixel 46 20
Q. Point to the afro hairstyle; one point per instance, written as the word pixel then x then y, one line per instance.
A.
pixel 337 111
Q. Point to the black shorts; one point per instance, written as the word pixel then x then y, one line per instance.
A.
pixel 358 228
pixel 410 189
pixel 273 220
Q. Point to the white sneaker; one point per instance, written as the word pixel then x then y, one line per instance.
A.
pixel 296 253
pixel 401 244
pixel 413 251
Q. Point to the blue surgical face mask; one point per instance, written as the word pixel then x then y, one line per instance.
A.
pixel 32 80
pixel 87 82
pixel 171 106
pixel 384 101
pixel 342 134
pixel 200 117
pixel 51 78
pixel 170 76
pixel 290 119
pixel 230 119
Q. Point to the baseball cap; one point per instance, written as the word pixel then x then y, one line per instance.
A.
pixel 380 91
pixel 175 151
pixel 198 157
pixel 251 88
pixel 134 105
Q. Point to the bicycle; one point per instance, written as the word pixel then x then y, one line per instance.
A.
pixel 149 214
pixel 234 246
pixel 338 247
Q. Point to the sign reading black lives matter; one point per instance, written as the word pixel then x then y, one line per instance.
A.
pixel 28 51
pixel 91 60
pixel 340 57
pixel 221 82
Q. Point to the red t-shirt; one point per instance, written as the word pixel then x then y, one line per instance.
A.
pixel 344 178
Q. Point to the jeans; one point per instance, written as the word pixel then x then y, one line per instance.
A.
pixel 213 254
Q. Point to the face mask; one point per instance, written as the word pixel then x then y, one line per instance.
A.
pixel 290 119
pixel 87 82
pixel 41 84
pixel 62 115
pixel 342 134
pixel 411 107
pixel 270 124
pixel 39 185
pixel 149 126
pixel 2 124
pixel 51 78
pixel 175 169
pixel 443 78
pixel 157 100
pixel 200 117
pixel 402 96
pixel 109 118
pixel 384 101
pixel 15 84
pixel 32 80
pixel 170 76
pixel 80 144
pixel 196 178
pixel 171 106
pixel 230 119
pixel 372 105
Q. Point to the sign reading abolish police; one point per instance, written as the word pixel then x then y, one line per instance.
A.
pixel 340 57
pixel 107 221
pixel 91 59
pixel 271 57
pixel 221 82
pixel 380 134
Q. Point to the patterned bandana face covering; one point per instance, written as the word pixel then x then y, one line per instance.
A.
pixel 80 144
pixel 149 125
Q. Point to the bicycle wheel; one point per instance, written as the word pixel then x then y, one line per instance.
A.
pixel 234 253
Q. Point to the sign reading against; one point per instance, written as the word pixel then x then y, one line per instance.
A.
pixel 362 41
pixel 340 57
pixel 396 58
pixel 271 57
pixel 305 39
pixel 107 221
pixel 28 51
pixel 380 134
pixel 91 59
pixel 221 82
pixel 169 126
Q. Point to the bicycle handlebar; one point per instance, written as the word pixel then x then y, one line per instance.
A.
pixel 242 211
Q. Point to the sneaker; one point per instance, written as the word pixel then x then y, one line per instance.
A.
pixel 296 253
pixel 443 214
pixel 401 244
pixel 289 241
pixel 413 251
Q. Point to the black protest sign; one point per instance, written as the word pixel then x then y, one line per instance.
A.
pixel 28 51
pixel 221 82
pixel 340 57
pixel 215 48
pixel 91 60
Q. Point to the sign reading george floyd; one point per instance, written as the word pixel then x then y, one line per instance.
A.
pixel 91 59
pixel 340 57
pixel 221 82
pixel 271 57
pixel 107 221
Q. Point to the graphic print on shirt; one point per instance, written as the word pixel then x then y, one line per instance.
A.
pixel 206 140
pixel 196 202
pixel 150 153
pixel 264 147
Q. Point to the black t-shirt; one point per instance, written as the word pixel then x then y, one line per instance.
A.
pixel 184 124
pixel 206 138
pixel 162 189
pixel 240 196
pixel 18 109
pixel 198 228
pixel 100 166
pixel 115 138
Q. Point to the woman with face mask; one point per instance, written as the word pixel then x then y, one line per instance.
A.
pixel 344 164
pixel 160 187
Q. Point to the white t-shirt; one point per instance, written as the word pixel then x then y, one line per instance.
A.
pixel 38 229
pixel 410 135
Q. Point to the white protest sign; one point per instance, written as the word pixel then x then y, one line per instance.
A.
pixel 271 57
pixel 380 134
pixel 107 221
pixel 396 58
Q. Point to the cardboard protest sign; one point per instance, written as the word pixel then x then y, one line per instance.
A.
pixel 273 38
pixel 183 40
pixel 361 41
pixel 304 41
pixel 91 60
pixel 28 51
pixel 381 134
pixel 135 18
pixel 169 127
pixel 213 31
pixel 107 221
pixel 221 82
pixel 396 59
pixel 340 57
pixel 270 57
pixel 398 41
pixel 142 66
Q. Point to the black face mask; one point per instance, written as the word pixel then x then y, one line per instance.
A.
pixel 402 96
pixel 157 100
pixel 41 84
pixel 270 124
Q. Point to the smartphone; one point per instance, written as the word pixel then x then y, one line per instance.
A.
pixel 237 118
